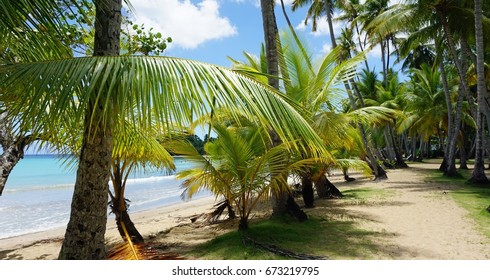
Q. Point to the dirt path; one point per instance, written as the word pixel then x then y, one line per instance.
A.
pixel 419 220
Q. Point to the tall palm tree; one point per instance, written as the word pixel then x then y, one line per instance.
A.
pixel 478 175
pixel 104 88
pixel 427 19
pixel 424 105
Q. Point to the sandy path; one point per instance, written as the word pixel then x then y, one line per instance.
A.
pixel 419 220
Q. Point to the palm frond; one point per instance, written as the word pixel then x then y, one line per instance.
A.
pixel 160 89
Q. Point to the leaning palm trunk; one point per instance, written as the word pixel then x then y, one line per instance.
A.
pixel 124 224
pixel 84 237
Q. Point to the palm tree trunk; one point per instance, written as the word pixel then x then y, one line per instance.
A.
pixel 283 199
pixel 119 206
pixel 270 36
pixel 454 124
pixel 414 148
pixel 84 237
pixel 325 188
pixel 307 191
pixel 400 162
pixel 461 73
pixel 328 7
pixel 389 144
pixel 478 175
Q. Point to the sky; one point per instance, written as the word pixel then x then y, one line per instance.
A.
pixel 212 30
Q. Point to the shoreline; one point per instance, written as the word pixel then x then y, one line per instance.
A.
pixel 46 244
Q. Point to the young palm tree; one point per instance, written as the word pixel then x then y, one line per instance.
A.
pixel 318 8
pixel 131 152
pixel 102 89
pixel 241 166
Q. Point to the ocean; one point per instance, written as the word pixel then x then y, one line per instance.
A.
pixel 38 193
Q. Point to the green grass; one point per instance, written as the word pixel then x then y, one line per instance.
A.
pixel 366 195
pixel 326 236
pixel 474 198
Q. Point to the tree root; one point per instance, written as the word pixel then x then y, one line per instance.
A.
pixel 282 252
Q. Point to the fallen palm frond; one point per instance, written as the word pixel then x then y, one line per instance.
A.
pixel 143 251
pixel 211 217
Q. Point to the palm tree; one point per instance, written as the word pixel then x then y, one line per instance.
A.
pixel 440 20
pixel 315 87
pixel 40 46
pixel 478 175
pixel 240 166
pixel 131 152
pixel 318 8
pixel 387 96
pixel 102 89
pixel 424 105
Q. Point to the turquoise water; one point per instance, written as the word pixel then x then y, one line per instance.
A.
pixel 38 194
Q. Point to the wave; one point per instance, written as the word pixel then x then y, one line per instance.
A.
pixel 39 188
pixel 151 179
pixel 133 181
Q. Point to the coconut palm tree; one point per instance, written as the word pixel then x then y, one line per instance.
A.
pixel 438 22
pixel 239 165
pixel 316 10
pixel 478 175
pixel 425 109
pixel 102 89
pixel 36 45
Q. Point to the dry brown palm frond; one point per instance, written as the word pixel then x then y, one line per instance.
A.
pixel 212 217
pixel 144 251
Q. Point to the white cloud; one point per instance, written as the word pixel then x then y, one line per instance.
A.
pixel 188 24
pixel 322 28
pixel 326 48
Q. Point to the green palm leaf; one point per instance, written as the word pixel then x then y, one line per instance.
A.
pixel 166 90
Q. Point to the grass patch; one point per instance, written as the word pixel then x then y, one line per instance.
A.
pixel 361 196
pixel 474 198
pixel 318 236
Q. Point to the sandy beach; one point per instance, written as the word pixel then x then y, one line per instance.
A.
pixel 419 221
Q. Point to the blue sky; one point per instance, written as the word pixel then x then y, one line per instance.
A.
pixel 211 30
